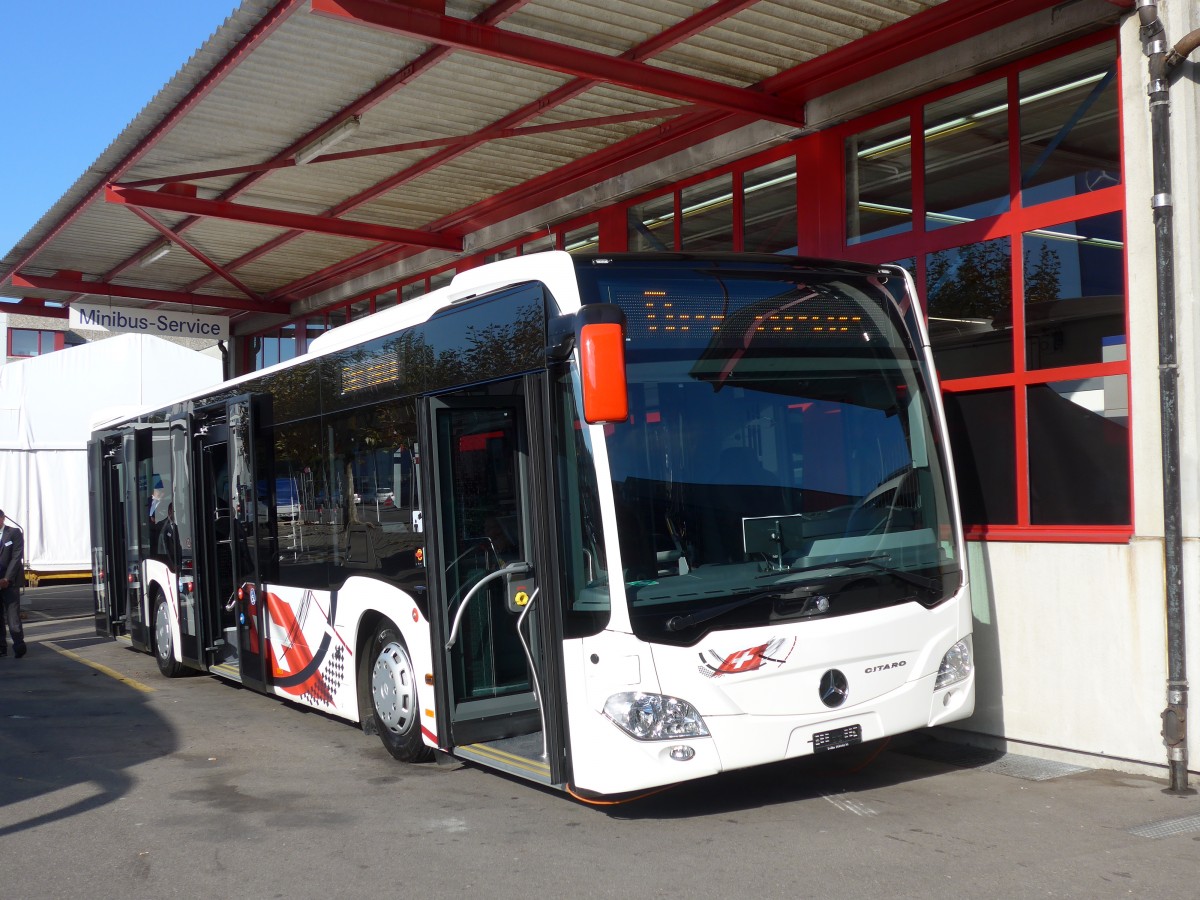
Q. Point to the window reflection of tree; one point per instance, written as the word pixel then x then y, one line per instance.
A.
pixel 340 420
pixel 971 282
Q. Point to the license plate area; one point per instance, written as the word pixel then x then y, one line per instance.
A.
pixel 837 738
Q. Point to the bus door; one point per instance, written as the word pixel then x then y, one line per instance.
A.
pixel 110 554
pixel 178 543
pixel 142 487
pixel 227 583
pixel 492 635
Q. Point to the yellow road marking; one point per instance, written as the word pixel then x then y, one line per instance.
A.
pixel 111 673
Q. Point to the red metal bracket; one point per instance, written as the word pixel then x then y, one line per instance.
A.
pixel 108 289
pixel 278 218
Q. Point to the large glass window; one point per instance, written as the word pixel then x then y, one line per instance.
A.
pixel 769 208
pixel 652 224
pixel 1026 311
pixel 966 156
pixel 1070 140
pixel 268 352
pixel 1078 446
pixel 28 342
pixel 879 182
pixel 287 342
pixel 1074 293
pixel 345 497
pixel 968 299
pixel 276 347
pixel 582 240
pixel 984 442
pixel 706 223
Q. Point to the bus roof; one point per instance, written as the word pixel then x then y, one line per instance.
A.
pixel 554 268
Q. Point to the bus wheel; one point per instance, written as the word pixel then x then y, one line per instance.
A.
pixel 394 697
pixel 164 652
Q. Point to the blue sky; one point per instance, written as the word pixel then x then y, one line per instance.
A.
pixel 73 74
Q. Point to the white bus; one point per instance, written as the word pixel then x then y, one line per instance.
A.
pixel 646 518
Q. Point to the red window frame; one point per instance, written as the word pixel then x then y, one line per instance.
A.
pixel 1013 224
pixel 56 339
pixel 821 231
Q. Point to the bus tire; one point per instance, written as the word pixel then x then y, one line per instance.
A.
pixel 394 703
pixel 164 649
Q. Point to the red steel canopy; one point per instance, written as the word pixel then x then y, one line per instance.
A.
pixel 445 120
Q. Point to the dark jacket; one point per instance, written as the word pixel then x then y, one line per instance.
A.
pixel 12 549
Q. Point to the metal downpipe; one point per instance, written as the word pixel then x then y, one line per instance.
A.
pixel 1161 61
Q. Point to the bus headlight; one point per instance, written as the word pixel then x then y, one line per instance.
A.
pixel 653 717
pixel 957 664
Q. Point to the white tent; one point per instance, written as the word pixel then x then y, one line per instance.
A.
pixel 47 406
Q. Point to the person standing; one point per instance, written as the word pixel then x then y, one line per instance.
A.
pixel 12 576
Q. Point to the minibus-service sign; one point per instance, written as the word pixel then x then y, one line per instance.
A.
pixel 120 319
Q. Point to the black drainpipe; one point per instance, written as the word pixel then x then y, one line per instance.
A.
pixel 1162 61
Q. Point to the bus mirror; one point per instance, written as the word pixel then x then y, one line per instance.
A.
pixel 602 369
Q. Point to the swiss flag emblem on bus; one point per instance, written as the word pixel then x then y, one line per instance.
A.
pixel 750 659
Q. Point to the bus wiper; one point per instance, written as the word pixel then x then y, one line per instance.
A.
pixel 876 563
pixel 868 562
pixel 813 603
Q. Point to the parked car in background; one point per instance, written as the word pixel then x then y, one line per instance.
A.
pixel 381 497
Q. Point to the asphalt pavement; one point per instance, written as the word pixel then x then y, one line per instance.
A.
pixel 119 783
pixel 57 600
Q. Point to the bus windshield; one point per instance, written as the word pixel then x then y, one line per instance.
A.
pixel 780 458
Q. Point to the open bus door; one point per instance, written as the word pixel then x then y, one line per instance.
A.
pixel 106 462
pixel 180 542
pixel 123 471
pixel 143 490
pixel 496 645
pixel 228 589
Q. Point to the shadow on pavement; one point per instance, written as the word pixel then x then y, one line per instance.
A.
pixel 68 736
pixel 877 764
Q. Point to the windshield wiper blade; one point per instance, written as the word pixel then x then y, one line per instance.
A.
pixel 815 601
pixel 678 623
pixel 876 563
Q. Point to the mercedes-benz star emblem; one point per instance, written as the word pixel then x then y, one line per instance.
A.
pixel 833 688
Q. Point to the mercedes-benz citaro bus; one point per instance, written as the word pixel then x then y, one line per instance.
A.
pixel 654 517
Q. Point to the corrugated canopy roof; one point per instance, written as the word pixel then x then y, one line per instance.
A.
pixel 445 120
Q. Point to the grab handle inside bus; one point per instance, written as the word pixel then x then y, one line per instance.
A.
pixel 515 568
pixel 601 341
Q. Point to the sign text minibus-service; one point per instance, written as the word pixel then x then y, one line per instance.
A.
pixel 146 321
